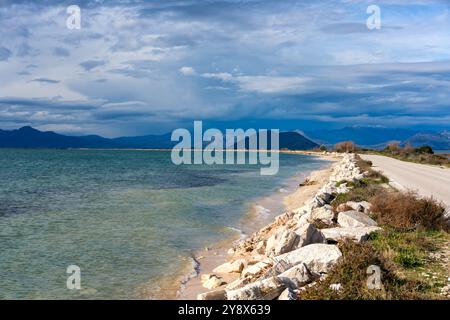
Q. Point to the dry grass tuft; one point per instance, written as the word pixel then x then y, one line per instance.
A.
pixel 405 210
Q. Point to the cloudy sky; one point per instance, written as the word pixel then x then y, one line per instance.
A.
pixel 138 67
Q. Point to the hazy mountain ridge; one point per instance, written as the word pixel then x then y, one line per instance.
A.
pixel 438 141
pixel 364 136
pixel 379 137
pixel 28 137
pixel 373 137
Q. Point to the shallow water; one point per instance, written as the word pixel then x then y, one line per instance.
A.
pixel 126 218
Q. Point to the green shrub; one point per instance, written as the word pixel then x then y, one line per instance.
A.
pixel 424 149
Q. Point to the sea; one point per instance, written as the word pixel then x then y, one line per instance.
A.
pixel 125 218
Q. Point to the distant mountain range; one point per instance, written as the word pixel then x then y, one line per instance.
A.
pixel 363 136
pixel 379 137
pixel 438 141
pixel 28 137
pixel 373 137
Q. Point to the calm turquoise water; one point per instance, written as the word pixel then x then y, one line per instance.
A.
pixel 124 217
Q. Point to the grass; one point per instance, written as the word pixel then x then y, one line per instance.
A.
pixel 408 249
pixel 403 259
pixel 351 273
pixel 363 190
pixel 413 228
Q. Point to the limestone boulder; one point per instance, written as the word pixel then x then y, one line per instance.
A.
pixel 213 282
pixel 324 214
pixel 354 218
pixel 361 206
pixel 297 276
pixel 308 234
pixel 213 295
pixel 266 289
pixel 261 247
pixel 257 268
pixel 287 294
pixel 302 210
pixel 357 234
pixel 238 283
pixel 229 267
pixel 281 242
pixel 317 257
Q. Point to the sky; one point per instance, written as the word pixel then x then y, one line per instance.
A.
pixel 142 67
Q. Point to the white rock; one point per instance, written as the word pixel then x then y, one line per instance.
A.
pixel 317 257
pixel 357 234
pixel 205 277
pixel 362 206
pixel 238 283
pixel 355 219
pixel 213 282
pixel 213 295
pixel 342 188
pixel 230 267
pixel 336 287
pixel 324 214
pixel 284 217
pixel 257 268
pixel 287 294
pixel 261 247
pixel 281 242
pixel 267 289
pixel 302 210
pixel 325 196
pixel 255 259
pixel 305 219
pixel 297 276
pixel 315 202
pixel 308 234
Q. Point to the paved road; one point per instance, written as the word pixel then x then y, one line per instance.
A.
pixel 426 180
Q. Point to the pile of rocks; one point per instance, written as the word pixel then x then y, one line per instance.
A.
pixel 292 253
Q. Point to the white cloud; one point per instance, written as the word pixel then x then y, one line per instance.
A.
pixel 269 84
pixel 224 76
pixel 187 71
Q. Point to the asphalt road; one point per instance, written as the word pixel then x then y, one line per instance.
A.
pixel 425 179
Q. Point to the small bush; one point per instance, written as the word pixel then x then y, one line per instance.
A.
pixel 408 258
pixel 364 165
pixel 393 147
pixel 339 183
pixel 425 149
pixel 405 210
pixel 345 146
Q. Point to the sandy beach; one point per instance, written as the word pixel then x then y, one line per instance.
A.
pixel 280 202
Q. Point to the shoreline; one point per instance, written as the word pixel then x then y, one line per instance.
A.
pixel 253 221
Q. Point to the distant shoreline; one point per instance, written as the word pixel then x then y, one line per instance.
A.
pixel 307 152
